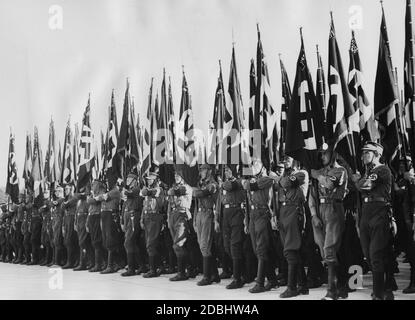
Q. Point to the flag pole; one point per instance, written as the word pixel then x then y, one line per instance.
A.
pixel 350 134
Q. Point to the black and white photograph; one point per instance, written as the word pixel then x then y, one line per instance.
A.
pixel 226 153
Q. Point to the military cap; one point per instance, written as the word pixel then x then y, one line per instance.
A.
pixel 374 147
pixel 205 166
pixel 152 175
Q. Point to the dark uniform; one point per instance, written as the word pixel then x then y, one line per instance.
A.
pixel 131 213
pixel 27 218
pixel 292 192
pixel 57 222
pixel 94 224
pixel 68 230
pixel 331 190
pixel 3 247
pixel 36 229
pixel 259 190
pixel 86 254
pixel 232 199
pixel 110 226
pixel 375 188
pixel 46 235
pixel 206 197
pixel 18 236
pixel 152 220
pixel 178 221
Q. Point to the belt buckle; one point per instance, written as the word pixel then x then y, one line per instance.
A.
pixel 366 200
pixel 226 206
pixel 284 203
pixel 252 207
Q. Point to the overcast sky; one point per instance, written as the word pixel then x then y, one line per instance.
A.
pixel 48 73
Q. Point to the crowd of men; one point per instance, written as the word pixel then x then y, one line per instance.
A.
pixel 303 224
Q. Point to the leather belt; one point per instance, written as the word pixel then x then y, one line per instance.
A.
pixel 81 213
pixel 146 212
pixel 227 206
pixel 205 209
pixel 329 200
pixel 288 203
pixel 108 210
pixel 374 199
pixel 94 213
pixel 254 207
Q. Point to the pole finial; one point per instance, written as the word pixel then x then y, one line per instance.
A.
pixel 183 69
pixel 257 29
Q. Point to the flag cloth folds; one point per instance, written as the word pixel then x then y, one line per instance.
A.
pixel 127 145
pixel 409 79
pixel 52 173
pixel 37 166
pixel 112 169
pixel 285 102
pixel 304 117
pixel 367 125
pixel 12 185
pixel 27 169
pixel 321 85
pixel 186 149
pixel 68 170
pixel 147 134
pixel 386 96
pixel 342 120
pixel 86 150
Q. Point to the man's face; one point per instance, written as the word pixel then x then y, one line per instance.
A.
pixel 228 173
pixel 150 181
pixel 288 162
pixel 280 170
pixel 326 157
pixel 46 194
pixel 367 157
pixel 67 190
pixel 178 178
pixel 203 173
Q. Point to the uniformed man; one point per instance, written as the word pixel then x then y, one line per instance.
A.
pixel 259 193
pixel 18 236
pixel 46 239
pixel 109 221
pixel 36 229
pixel 86 252
pixel 405 214
pixel 57 221
pixel 231 200
pixel 178 218
pixel 152 221
pixel 205 220
pixel 93 224
pixel 131 223
pixel 374 226
pixel 3 247
pixel 328 212
pixel 292 192
pixel 68 227
pixel 27 217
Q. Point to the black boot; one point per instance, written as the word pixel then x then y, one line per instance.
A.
pixel 259 286
pixel 69 261
pixel 271 276
pixel 206 273
pixel 237 280
pixel 82 261
pixel 98 261
pixel 291 290
pixel 35 256
pixel 378 285
pixel 226 268
pixel 214 273
pixel 302 281
pixel 411 287
pixel 46 258
pixel 181 274
pixel 19 256
pixel 131 266
pixel 153 269
pixel 110 265
pixel 331 278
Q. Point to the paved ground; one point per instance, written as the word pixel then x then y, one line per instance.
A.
pixel 35 282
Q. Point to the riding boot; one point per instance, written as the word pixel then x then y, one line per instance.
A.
pixel 259 286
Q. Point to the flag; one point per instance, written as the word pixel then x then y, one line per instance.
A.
pixel 104 163
pixel 37 166
pixel 86 151
pixel 127 146
pixel 386 96
pixel 264 109
pixel 51 160
pixel 304 117
pixel 321 85
pixel 112 170
pixel 218 132
pixel 253 119
pixel 235 107
pixel 171 125
pixel 28 161
pixel 409 79
pixel 12 185
pixel 342 120
pixel 164 138
pixel 147 134
pixel 285 102
pixel 68 170
pixel 76 151
pixel 367 126
pixel 186 153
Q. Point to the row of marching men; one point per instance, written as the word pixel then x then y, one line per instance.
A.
pixel 289 219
